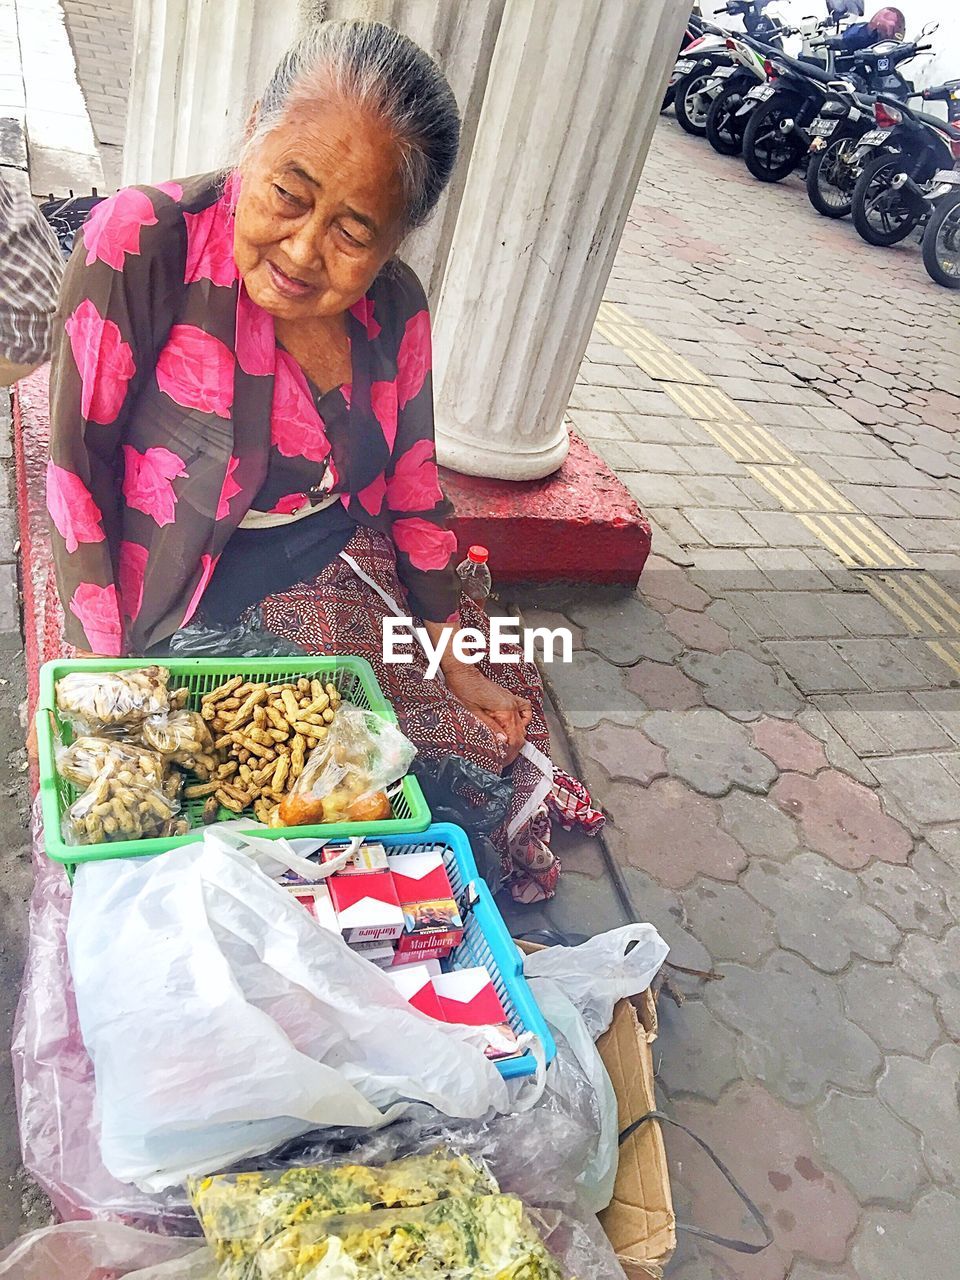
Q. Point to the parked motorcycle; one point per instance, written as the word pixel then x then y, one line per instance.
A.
pixel 696 28
pixel 725 126
pixel 833 164
pixel 941 237
pixel 899 161
pixel 709 59
pixel 777 137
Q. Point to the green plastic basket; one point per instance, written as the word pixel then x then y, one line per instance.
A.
pixel 354 677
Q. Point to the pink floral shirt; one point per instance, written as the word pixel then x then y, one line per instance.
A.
pixel 172 403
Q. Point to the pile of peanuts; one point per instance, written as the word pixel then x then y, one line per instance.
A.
pixel 261 736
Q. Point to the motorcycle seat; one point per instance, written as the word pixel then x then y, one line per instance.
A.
pixel 814 70
pixel 938 122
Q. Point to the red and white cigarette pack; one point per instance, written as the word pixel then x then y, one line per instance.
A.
pixel 468 996
pixel 432 922
pixel 368 908
pixel 415 984
pixel 378 953
pixel 316 898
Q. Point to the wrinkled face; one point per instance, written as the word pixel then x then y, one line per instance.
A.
pixel 319 213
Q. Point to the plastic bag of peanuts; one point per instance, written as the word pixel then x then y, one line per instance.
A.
pixel 111 810
pixel 346 775
pixel 97 701
pixel 85 759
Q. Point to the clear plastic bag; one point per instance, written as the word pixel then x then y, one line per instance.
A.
pixel 89 758
pixel 111 810
pixel 240 1212
pixel 104 1251
pixel 469 1238
pixel 184 738
pixel 602 970
pixel 97 700
pixel 346 775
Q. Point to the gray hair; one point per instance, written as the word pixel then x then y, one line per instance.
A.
pixel 381 71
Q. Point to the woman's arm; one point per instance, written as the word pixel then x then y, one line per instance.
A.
pixel 116 306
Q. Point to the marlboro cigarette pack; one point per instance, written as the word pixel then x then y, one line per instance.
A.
pixel 316 899
pixel 415 984
pixel 433 925
pixel 468 996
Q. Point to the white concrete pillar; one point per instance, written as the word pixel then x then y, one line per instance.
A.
pixel 198 66
pixel 460 36
pixel 572 97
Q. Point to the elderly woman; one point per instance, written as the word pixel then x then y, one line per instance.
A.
pixel 242 418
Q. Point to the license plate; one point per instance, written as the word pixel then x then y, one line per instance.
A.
pixel 761 92
pixel 682 68
pixel 949 176
pixel 823 128
pixel 873 138
pixel 721 73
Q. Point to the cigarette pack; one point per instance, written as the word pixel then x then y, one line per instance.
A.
pixel 433 925
pixel 369 857
pixel 379 953
pixel 415 984
pixel 468 996
pixel 316 898
pixel 367 905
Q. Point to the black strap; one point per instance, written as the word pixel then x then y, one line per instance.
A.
pixel 740 1246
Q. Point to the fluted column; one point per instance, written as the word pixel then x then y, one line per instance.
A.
pixel 198 66
pixel 572 97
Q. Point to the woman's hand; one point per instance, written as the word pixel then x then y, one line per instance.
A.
pixel 504 713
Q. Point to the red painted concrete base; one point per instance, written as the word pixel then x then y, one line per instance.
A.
pixel 579 524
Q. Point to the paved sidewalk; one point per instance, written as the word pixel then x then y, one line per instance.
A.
pixel 773 720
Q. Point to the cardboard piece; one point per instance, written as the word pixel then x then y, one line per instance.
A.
pixel 640 1221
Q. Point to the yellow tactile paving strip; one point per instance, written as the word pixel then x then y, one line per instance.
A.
pixel 916 598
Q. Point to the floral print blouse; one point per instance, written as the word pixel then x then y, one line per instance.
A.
pixel 171 402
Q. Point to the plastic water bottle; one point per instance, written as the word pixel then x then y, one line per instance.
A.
pixel 474 574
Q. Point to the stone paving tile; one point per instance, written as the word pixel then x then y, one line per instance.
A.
pixel 794 1035
pixel 926 1094
pixel 671 832
pixel 841 818
pixel 757 825
pixel 883 723
pixel 697 630
pixel 710 752
pixel 877 1154
pixel 623 630
pixel 731 924
pixel 881 664
pixel 896 1013
pixel 725 528
pixel 914 897
pixel 740 686
pixel 819 911
pixel 933 964
pixel 891 1244
pixel 816 666
pixel 625 753
pixel 921 785
pixel 663 687
pixel 789 747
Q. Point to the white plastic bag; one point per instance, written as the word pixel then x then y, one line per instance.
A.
pixel 595 1181
pixel 222 1019
pixel 94 1250
pixel 602 971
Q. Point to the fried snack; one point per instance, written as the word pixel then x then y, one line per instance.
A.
pixel 113 699
pixel 111 810
pixel 372 807
pixel 88 757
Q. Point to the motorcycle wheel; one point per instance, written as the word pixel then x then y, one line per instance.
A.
pixel 691 116
pixel 724 131
pixel 828 196
pixel 881 216
pixel 769 154
pixel 941 243
pixel 667 101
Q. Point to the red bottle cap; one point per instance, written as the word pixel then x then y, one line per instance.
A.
pixel 478 555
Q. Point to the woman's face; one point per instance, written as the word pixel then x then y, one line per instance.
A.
pixel 319 213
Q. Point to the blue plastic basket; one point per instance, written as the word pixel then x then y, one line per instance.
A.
pixel 486 939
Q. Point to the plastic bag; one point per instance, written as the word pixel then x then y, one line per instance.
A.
pixel 191 967
pixel 603 970
pixel 240 1212
pixel 94 700
pixel 111 810
pixel 469 1238
pixel 185 738
pixel 103 1251
pixel 247 639
pixel 349 770
pixel 89 758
